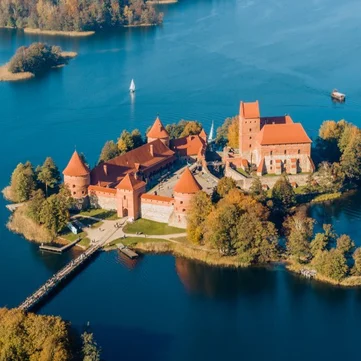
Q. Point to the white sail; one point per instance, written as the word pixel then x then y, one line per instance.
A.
pixel 132 86
pixel 210 137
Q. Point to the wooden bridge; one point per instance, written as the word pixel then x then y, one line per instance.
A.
pixel 45 247
pixel 54 281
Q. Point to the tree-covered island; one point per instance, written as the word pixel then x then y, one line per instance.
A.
pixel 76 17
pixel 34 59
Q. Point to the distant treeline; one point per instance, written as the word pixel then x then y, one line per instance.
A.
pixel 76 15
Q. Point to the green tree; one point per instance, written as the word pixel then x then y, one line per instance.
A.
pixel 330 177
pixel 199 209
pixel 356 270
pixel 299 231
pixel 323 241
pixel 48 174
pixel 222 133
pixel 283 194
pixel 35 205
pixel 90 349
pixel 137 138
pixel 192 127
pixel 256 190
pixel 351 156
pixel 22 182
pixel 110 150
pixel 224 185
pixel 345 245
pixel 332 264
pixel 125 142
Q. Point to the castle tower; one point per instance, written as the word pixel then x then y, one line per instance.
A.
pixel 184 190
pixel 158 131
pixel 249 127
pixel 77 177
pixel 129 191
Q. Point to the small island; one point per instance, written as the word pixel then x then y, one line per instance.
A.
pixel 34 59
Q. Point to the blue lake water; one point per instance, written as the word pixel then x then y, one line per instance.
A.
pixel 205 58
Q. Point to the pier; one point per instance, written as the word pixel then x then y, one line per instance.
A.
pixel 60 276
pixel 58 249
pixel 128 252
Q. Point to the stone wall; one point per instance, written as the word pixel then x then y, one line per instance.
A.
pixel 156 208
pixel 102 198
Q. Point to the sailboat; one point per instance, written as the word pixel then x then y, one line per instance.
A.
pixel 210 137
pixel 132 86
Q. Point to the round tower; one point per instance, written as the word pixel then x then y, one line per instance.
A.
pixel 184 191
pixel 77 177
pixel 158 131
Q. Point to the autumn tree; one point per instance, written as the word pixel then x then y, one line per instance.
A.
pixel 323 241
pixel 200 207
pixel 222 133
pixel 183 128
pixel 109 151
pixel 192 127
pixel 299 231
pixel 48 174
pixel 256 190
pixel 224 185
pixel 233 133
pixel 356 270
pixel 351 156
pixel 125 142
pixel 90 349
pixel 137 138
pixel 330 177
pixel 345 245
pixel 332 264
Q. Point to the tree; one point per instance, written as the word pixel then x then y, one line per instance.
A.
pixel 200 207
pixel 330 177
pixel 222 133
pixel 356 270
pixel 283 194
pixel 137 138
pixel 233 133
pixel 256 190
pixel 332 264
pixel 351 156
pixel 110 150
pixel 323 241
pixel 22 182
pixel 49 174
pixel 345 245
pixel 192 127
pixel 125 142
pixel 299 230
pixel 90 349
pixel 224 185
pixel 35 205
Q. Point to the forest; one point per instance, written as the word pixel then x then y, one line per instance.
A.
pixel 76 15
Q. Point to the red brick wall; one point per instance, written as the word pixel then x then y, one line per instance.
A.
pixel 248 130
pixel 78 186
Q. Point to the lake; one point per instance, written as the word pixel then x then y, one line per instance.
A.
pixel 205 58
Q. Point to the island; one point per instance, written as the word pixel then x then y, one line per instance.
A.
pixel 76 18
pixel 34 59
pixel 174 192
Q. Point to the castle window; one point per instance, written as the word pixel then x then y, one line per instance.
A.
pixel 270 162
pixel 250 145
pixel 124 197
pixel 270 168
pixel 271 153
pixel 181 202
pixel 74 193
pixel 285 161
pixel 250 137
pixel 285 152
pixel 73 185
pixel 82 192
pixel 250 129
pixel 299 151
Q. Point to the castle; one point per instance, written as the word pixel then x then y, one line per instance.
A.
pixel 272 145
pixel 121 183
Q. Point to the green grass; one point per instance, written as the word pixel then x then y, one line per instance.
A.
pixel 243 172
pixel 326 197
pixel 133 240
pixel 181 239
pixel 300 190
pixel 100 213
pixel 89 222
pixel 85 242
pixel 150 227
pixel 71 237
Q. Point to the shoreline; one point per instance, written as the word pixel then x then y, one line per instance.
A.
pixel 161 2
pixel 58 32
pixel 6 75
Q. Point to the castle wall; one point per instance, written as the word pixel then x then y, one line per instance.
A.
pixel 248 130
pixel 103 199
pixel 156 209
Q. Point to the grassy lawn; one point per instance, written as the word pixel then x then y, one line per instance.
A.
pixel 71 237
pixel 85 242
pixel 181 239
pixel 133 240
pixel 100 213
pixel 327 197
pixel 88 222
pixel 300 190
pixel 150 227
pixel 243 172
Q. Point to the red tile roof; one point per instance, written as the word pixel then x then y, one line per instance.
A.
pixel 158 130
pixel 140 157
pixel 249 110
pixel 187 183
pixel 76 166
pixel 292 133
pixel 203 134
pixel 154 197
pixel 129 183
pixel 190 145
pixel 102 189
